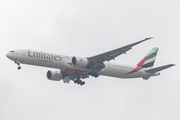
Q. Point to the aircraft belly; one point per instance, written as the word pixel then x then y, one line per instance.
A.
pixel 115 72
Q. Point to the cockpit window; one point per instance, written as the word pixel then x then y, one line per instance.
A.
pixel 11 51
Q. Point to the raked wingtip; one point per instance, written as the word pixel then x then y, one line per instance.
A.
pixel 148 38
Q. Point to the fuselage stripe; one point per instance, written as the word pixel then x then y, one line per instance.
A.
pixel 77 71
pixel 140 64
pixel 135 70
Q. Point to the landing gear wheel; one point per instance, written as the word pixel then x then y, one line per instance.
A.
pixel 19 68
pixel 82 83
pixel 78 81
pixel 94 74
pixel 18 63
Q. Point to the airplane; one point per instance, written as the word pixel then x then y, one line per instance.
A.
pixel 74 68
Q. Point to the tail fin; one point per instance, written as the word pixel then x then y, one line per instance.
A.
pixel 149 59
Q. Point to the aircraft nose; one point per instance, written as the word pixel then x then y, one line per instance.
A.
pixel 8 55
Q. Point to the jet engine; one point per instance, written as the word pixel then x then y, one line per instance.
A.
pixel 54 75
pixel 80 62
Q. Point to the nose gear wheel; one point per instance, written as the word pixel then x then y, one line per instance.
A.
pixel 18 63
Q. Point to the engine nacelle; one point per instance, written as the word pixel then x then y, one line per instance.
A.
pixel 54 75
pixel 80 62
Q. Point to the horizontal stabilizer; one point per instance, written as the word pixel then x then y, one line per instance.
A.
pixel 153 70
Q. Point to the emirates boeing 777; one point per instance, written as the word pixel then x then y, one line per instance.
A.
pixel 77 68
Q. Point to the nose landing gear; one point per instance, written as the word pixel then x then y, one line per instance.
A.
pixel 19 67
pixel 18 63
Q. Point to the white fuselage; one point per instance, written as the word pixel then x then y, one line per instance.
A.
pixel 64 63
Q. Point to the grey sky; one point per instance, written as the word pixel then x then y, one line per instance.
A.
pixel 87 28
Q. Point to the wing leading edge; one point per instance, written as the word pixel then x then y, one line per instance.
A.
pixel 107 56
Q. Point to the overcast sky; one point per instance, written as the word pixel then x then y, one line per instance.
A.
pixel 86 28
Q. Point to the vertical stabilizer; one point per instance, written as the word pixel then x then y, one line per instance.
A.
pixel 149 59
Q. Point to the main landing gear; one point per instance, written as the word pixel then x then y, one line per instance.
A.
pixel 78 81
pixel 94 74
pixel 18 63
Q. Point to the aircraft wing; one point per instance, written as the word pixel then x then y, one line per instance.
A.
pixel 114 53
